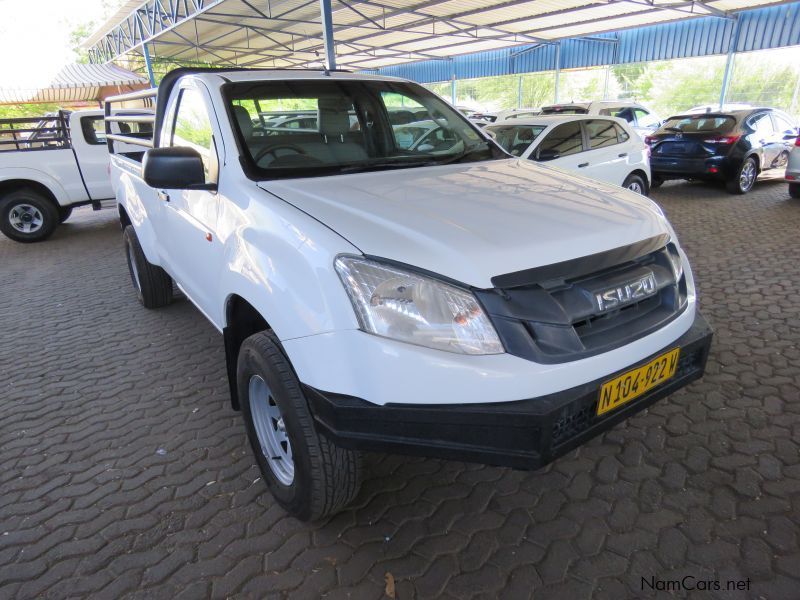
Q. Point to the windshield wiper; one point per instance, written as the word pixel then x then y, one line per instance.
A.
pixel 385 164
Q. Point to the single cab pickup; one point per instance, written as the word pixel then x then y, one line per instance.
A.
pixel 48 166
pixel 448 300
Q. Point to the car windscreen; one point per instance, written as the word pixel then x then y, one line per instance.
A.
pixel 699 124
pixel 515 139
pixel 347 127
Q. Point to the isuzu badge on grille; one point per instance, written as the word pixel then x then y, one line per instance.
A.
pixel 626 293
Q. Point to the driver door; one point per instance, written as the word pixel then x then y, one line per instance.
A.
pixel 188 229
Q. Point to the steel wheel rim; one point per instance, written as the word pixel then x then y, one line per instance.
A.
pixel 635 186
pixel 25 218
pixel 747 177
pixel 133 268
pixel 271 430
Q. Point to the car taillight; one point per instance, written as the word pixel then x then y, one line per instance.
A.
pixel 723 139
pixel 650 139
pixel 797 141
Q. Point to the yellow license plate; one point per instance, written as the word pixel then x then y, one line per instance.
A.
pixel 636 382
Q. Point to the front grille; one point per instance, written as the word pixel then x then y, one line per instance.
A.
pixel 558 319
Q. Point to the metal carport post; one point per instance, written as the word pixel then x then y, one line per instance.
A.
pixel 327 34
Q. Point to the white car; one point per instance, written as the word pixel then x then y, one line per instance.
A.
pixel 601 148
pixel 48 166
pixel 447 301
pixel 511 113
pixel 639 117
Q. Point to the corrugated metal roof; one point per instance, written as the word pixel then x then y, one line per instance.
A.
pixel 371 34
pixel 771 27
pixel 75 83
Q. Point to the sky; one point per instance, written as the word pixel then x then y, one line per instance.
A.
pixel 34 37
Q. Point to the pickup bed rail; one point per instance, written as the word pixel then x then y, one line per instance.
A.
pixel 45 132
pixel 134 126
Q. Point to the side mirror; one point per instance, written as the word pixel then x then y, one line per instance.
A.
pixel 546 154
pixel 175 168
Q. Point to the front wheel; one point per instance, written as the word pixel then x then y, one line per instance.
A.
pixel 27 216
pixel 635 183
pixel 745 178
pixel 307 474
pixel 794 190
pixel 152 284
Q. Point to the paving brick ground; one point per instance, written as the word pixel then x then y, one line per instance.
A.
pixel 124 473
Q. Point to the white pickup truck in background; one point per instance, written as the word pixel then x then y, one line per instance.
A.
pixel 48 166
pixel 445 299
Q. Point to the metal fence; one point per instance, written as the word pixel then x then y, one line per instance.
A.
pixel 764 78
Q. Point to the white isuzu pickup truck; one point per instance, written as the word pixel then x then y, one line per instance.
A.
pixel 447 301
pixel 48 166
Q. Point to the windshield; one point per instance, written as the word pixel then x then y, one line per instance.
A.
pixel 515 139
pixel 302 128
pixel 700 124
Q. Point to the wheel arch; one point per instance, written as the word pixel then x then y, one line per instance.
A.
pixel 19 178
pixel 242 320
pixel 641 173
pixel 12 185
pixel 124 219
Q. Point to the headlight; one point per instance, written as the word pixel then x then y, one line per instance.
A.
pixel 416 309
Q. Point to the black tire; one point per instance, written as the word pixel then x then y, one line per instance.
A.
pixel 737 185
pixel 656 182
pixel 794 190
pixel 636 183
pixel 64 213
pixel 325 478
pixel 152 284
pixel 27 208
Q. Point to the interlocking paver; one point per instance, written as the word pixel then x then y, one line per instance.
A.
pixel 114 421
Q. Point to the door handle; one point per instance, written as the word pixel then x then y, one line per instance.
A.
pixel 162 195
pixel 580 166
pixel 623 155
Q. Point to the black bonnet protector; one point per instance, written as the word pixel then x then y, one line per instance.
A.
pixel 578 267
pixel 551 314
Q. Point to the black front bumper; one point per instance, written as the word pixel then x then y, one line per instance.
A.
pixel 525 434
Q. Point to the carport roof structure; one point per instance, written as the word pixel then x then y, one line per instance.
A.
pixel 369 34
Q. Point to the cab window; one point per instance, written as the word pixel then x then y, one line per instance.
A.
pixel 193 129
pixel 565 139
pixel 94 130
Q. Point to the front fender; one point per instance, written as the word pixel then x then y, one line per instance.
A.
pixel 129 197
pixel 280 260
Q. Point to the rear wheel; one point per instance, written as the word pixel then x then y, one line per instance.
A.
pixel 794 190
pixel 745 177
pixel 152 284
pixel 28 216
pixel 635 183
pixel 307 474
